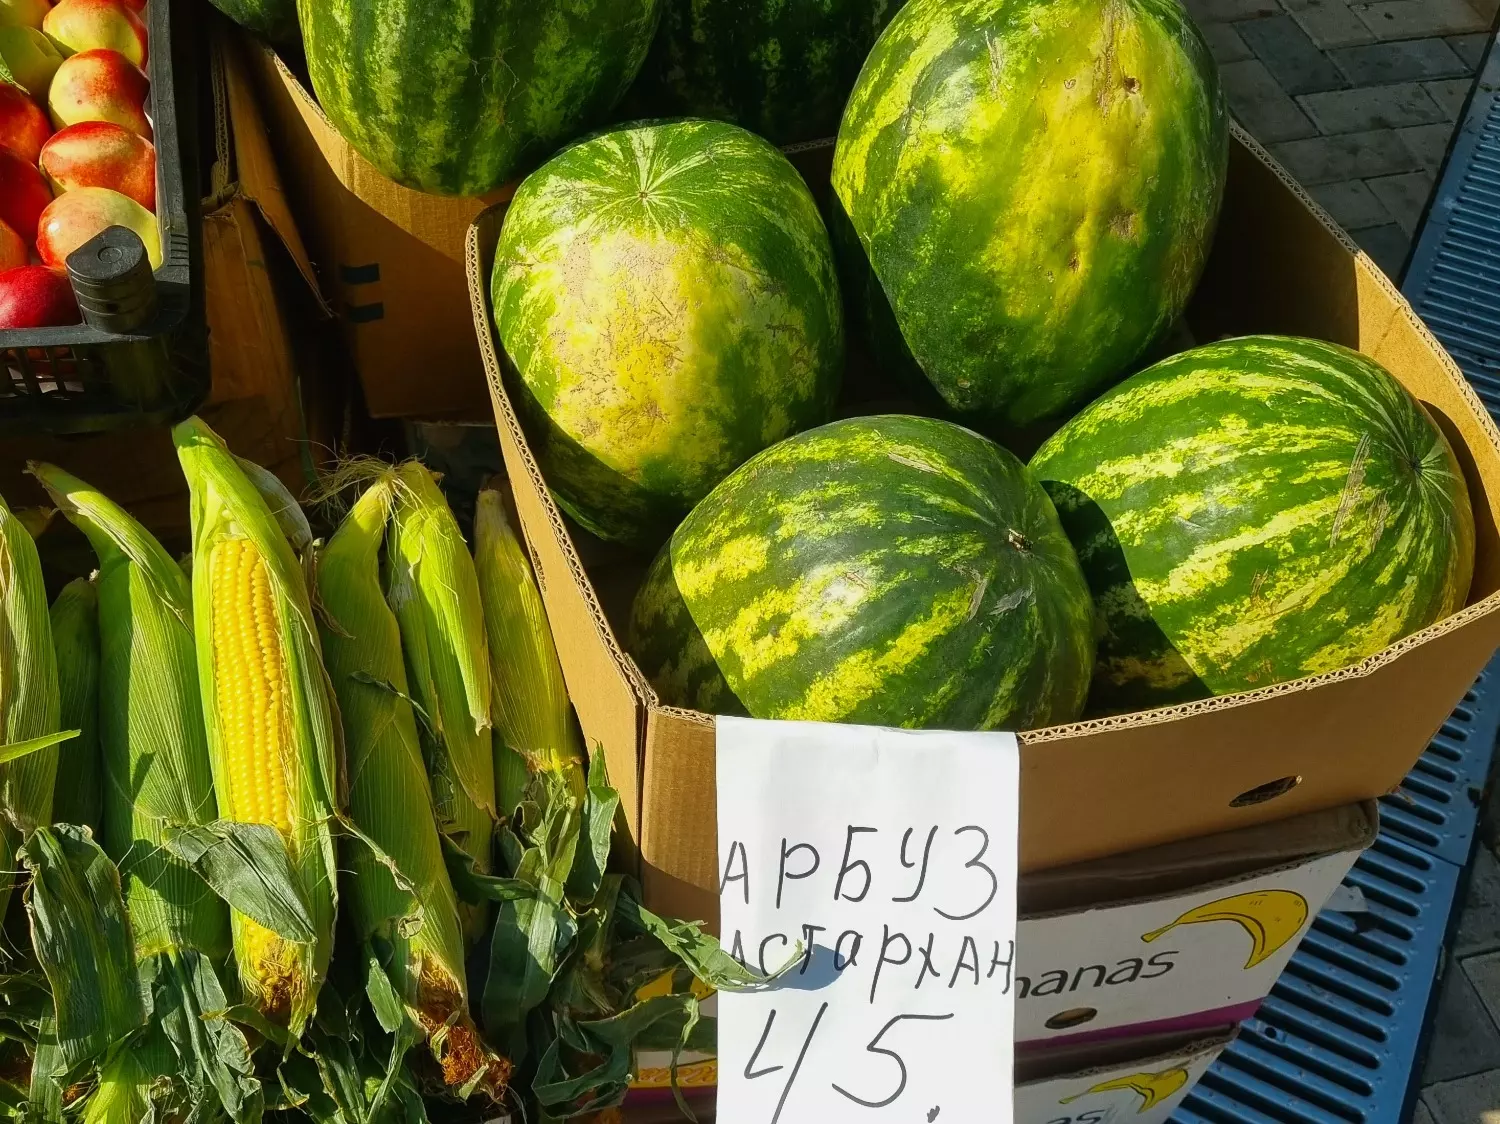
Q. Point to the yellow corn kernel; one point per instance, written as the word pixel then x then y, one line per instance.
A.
pixel 251 682
pixel 250 674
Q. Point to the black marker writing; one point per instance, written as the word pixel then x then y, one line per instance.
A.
pixel 875 1048
pixel 976 863
pixel 926 854
pixel 847 867
pixel 786 875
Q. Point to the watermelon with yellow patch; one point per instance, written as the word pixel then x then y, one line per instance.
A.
pixel 1025 194
pixel 891 571
pixel 1255 511
pixel 666 298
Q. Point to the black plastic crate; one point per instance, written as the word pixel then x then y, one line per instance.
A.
pixel 80 379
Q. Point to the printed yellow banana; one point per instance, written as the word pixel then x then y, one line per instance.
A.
pixel 1153 1087
pixel 1271 917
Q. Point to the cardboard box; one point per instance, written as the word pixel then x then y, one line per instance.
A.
pixel 1142 1081
pixel 1118 784
pixel 390 259
pixel 262 402
pixel 1182 937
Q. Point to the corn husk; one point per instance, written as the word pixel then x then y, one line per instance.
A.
pixel 433 590
pixel 30 701
pixel 533 720
pixel 283 926
pixel 157 778
pixel 390 800
pixel 79 793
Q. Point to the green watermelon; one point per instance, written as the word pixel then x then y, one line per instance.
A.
pixel 458 97
pixel 1025 194
pixel 892 571
pixel 1255 511
pixel 781 68
pixel 275 19
pixel 668 305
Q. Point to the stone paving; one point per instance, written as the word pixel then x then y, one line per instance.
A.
pixel 1461 1078
pixel 1357 99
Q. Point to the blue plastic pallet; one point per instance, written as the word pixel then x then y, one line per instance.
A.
pixel 1340 1036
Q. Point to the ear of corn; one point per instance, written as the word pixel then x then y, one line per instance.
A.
pixel 75 638
pixel 151 730
pixel 434 591
pixel 30 704
pixel 156 773
pixel 390 799
pixel 271 724
pixel 532 716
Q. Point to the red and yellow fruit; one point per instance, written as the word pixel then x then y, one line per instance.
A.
pixel 24 195
pixel 23 13
pixel 33 296
pixel 24 128
pixel 12 248
pixel 76 216
pixel 84 25
pixel 100 85
pixel 101 154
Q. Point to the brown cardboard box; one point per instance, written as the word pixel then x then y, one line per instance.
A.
pixel 390 258
pixel 1096 788
pixel 254 298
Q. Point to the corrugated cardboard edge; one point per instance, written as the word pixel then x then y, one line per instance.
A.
pixel 1087 1061
pixel 556 552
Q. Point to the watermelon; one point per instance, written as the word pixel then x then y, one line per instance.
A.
pixel 275 19
pixel 457 98
pixel 668 306
pixel 783 70
pixel 1025 195
pixel 892 571
pixel 1255 511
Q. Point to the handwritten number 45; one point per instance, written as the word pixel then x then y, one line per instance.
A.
pixel 874 1047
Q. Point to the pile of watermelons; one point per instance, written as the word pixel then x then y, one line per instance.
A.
pixel 1024 194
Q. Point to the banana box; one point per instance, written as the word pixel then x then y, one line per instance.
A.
pixel 1176 938
pixel 1139 1082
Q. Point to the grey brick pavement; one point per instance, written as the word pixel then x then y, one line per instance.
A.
pixel 1357 99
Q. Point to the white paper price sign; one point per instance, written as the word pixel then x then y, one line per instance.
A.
pixel 884 862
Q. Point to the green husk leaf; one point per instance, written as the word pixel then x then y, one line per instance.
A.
pixel 247 864
pixel 698 950
pixel 190 1008
pixel 282 504
pixel 81 934
pixel 14 751
pixel 78 797
pixel 601 804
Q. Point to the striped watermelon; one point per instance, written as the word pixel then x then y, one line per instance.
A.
pixel 894 570
pixel 666 296
pixel 456 98
pixel 1025 193
pixel 783 70
pixel 275 19
pixel 1255 511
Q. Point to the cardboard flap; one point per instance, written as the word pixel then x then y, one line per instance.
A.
pixel 254 163
pixel 1086 1060
pixel 1174 867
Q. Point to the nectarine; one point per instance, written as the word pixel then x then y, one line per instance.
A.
pixel 24 128
pixel 83 25
pixel 100 85
pixel 24 195
pixel 23 13
pixel 101 154
pixel 33 296
pixel 12 248
pixel 74 217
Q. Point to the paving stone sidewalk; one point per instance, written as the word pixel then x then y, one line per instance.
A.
pixel 1357 99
